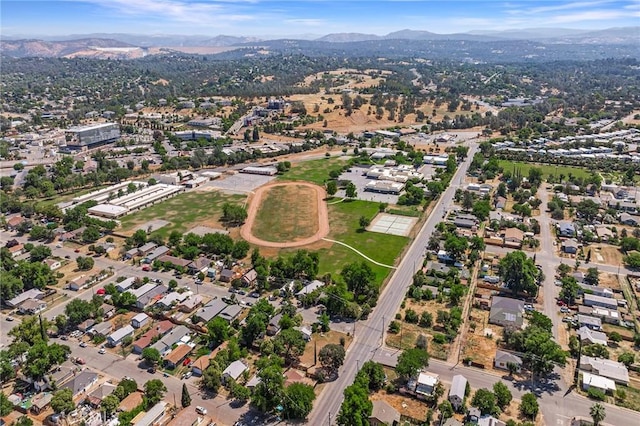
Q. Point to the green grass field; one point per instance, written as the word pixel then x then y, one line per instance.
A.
pixel 547 169
pixel 344 221
pixel 316 171
pixel 183 211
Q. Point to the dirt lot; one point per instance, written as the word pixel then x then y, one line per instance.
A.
pixel 477 346
pixel 322 339
pixel 405 405
pixel 605 253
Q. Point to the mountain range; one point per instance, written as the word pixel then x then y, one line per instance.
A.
pixel 108 45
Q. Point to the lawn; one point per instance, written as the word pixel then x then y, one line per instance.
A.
pixel 344 222
pixel 547 169
pixel 183 211
pixel 287 213
pixel 316 171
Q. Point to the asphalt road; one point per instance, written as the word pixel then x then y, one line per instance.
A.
pixel 369 335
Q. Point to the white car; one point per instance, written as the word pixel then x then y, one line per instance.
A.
pixel 102 351
pixel 201 410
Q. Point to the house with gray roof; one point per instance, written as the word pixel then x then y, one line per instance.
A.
pixel 591 337
pixel 209 311
pixel 610 369
pixel 234 370
pixel 383 414
pixel 594 323
pixel 119 335
pixel 457 391
pixel 503 359
pixel 147 297
pixel 507 312
pixel 603 302
pixel 566 229
pixel 81 382
pixel 178 334
pixel 230 313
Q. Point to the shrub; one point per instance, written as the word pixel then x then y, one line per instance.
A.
pixel 439 338
pixel 596 394
pixel 394 327
pixel 411 316
pixel 421 342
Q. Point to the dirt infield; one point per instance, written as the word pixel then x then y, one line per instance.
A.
pixel 256 200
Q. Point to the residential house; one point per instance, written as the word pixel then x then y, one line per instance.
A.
pixel 597 382
pixel 130 254
pixel 176 356
pixel 102 329
pixel 40 402
pixel 306 332
pixel 17 250
pixel 627 219
pixel 14 222
pixel 130 402
pixel 507 312
pixel 81 382
pixel 190 303
pixel 606 315
pixel 86 325
pixel 200 364
pixel 226 275
pixel 610 369
pixel 32 306
pixel 292 376
pixel 95 398
pixel 119 335
pixel 107 310
pixel 624 206
pixel 426 384
pixel 603 302
pixel 595 290
pixel 155 254
pixel 230 313
pixel 172 299
pixel 146 249
pixel 465 223
pixel 209 311
pixel 604 233
pixel 150 295
pixel 513 237
pixel 249 277
pixel 273 327
pixel 79 283
pixel 488 420
pixel 234 370
pixel 594 323
pixel 591 337
pixel 503 359
pixel 126 284
pixel 310 288
pixel 151 417
pixel 174 261
pixel 140 320
pixel 451 421
pixel 457 391
pixel 29 294
pixel 212 272
pixel 570 246
pixel 383 414
pixel 179 334
pixel 566 229
pixel 200 264
pixel 144 341
pixel 53 264
pixel 500 203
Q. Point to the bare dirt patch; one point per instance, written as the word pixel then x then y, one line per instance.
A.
pixel 320 340
pixel 320 211
pixel 605 253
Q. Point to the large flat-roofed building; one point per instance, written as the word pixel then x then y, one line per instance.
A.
pixel 87 137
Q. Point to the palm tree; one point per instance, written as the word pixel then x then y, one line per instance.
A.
pixel 597 413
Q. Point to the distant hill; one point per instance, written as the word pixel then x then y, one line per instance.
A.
pixel 94 47
pixel 347 37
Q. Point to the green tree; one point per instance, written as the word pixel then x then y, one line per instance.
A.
pixel 364 222
pixel 375 375
pixel 85 263
pixel 39 253
pixel 519 273
pixel 109 404
pixel 597 413
pixel 570 290
pixel 211 378
pixel 151 356
pixel 446 409
pixel 331 357
pixel 481 209
pixel 298 401
pixel 410 362
pixel 154 391
pixel 627 358
pixel 455 246
pixel 503 395
pixel 359 278
pixel 529 405
pixel 62 401
pixel 23 421
pixel 6 406
pixel 485 401
pixel 218 331
pixel 351 190
pixel 268 394
pixel 185 399
pixel 356 406
pixel 289 344
pixel 632 260
pixel 332 188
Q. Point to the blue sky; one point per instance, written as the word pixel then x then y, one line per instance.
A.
pixel 299 17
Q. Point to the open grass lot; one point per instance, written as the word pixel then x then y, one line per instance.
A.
pixel 547 169
pixel 287 213
pixel 183 211
pixel 344 222
pixel 316 171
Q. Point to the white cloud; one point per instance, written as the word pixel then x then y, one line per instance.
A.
pixel 307 21
pixel 591 15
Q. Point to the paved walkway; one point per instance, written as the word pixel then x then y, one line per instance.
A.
pixel 360 253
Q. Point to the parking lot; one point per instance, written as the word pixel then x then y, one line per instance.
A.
pixel 239 183
pixel 360 181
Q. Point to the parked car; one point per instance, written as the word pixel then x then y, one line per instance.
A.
pixel 561 303
pixel 187 375
pixel 567 319
pixel 529 307
pixel 9 318
pixel 151 370
pixel 254 294
pixel 564 310
pixel 102 351
pixel 201 410
pixel 83 344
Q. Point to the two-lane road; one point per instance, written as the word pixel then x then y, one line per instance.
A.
pixel 369 334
